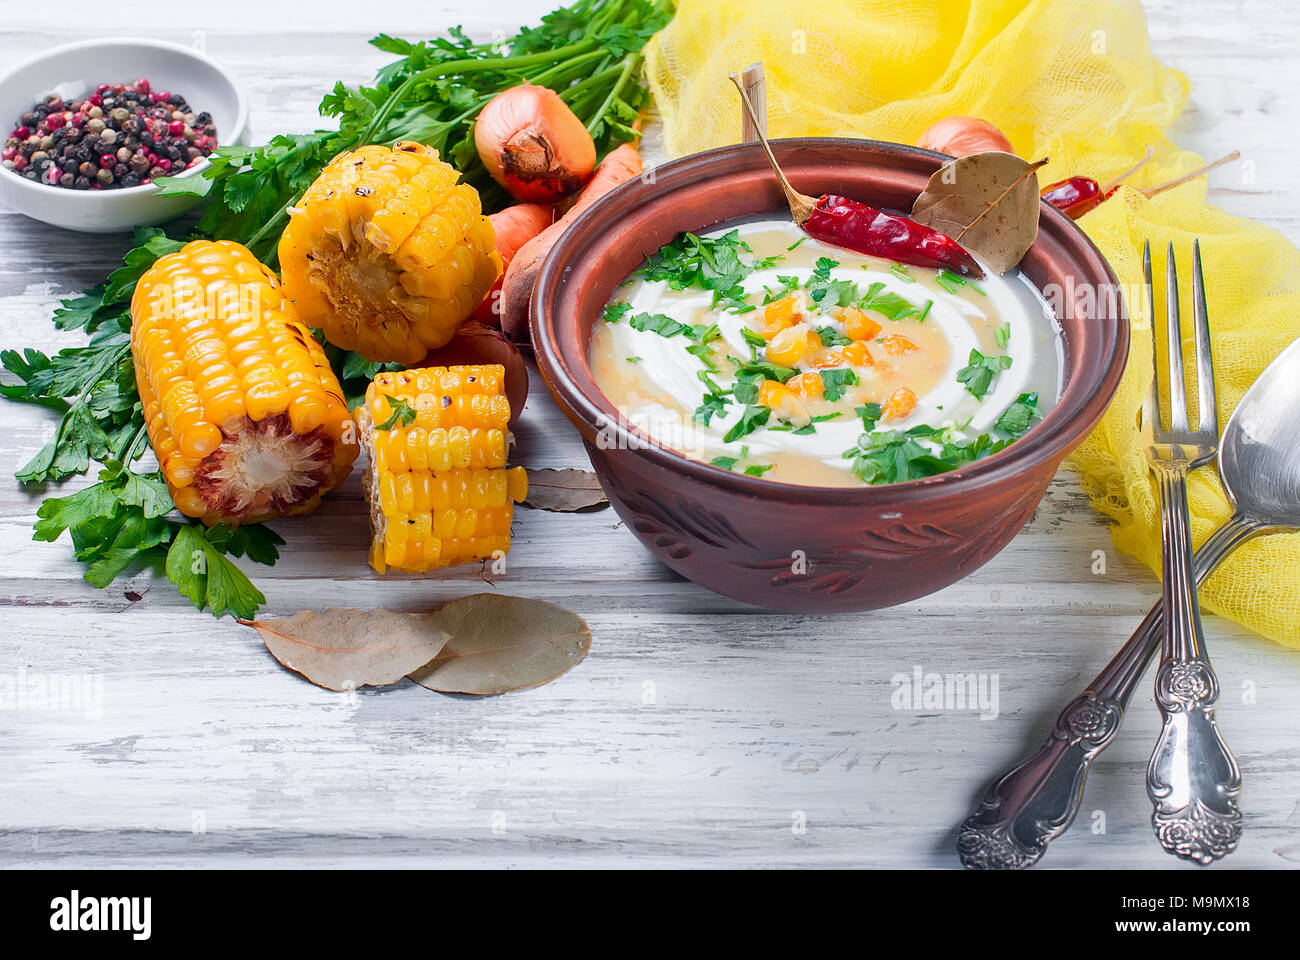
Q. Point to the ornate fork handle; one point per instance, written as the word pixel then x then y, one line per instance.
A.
pixel 1036 801
pixel 1193 779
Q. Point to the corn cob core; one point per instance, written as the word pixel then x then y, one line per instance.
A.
pixel 243 412
pixel 437 483
pixel 387 253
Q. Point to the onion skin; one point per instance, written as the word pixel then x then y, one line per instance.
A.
pixel 514 227
pixel 963 136
pixel 533 144
pixel 474 343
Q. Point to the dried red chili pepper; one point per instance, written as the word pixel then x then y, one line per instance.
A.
pixel 1077 195
pixel 856 226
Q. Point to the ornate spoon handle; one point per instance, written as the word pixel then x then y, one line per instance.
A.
pixel 1036 801
pixel 1193 778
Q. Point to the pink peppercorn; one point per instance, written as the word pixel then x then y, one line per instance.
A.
pixel 142 85
pixel 22 133
pixel 54 121
pixel 164 163
pixel 8 153
pixel 107 161
pixel 176 128
pixel 20 163
pixel 96 100
pixel 78 120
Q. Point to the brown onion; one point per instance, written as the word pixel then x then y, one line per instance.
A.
pixel 533 144
pixel 964 136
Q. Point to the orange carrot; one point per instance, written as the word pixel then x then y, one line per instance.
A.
pixel 514 226
pixel 621 165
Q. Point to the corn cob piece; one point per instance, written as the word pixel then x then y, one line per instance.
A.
pixel 438 487
pixel 243 412
pixel 387 253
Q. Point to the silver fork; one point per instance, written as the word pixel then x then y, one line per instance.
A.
pixel 1193 779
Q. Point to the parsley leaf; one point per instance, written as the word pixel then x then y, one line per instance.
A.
pixel 1018 417
pixel 979 372
pixel 403 413
pixel 752 418
pixel 836 381
pixel 659 323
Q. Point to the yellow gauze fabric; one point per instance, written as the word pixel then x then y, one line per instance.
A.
pixel 1074 80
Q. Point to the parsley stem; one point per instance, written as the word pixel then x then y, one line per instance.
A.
pixel 494 64
pixel 630 63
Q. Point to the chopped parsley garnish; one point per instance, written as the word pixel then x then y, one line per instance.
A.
pixel 979 372
pixel 832 337
pixel 796 243
pixel 952 282
pixel 726 463
pixel 885 302
pixel 753 418
pixel 633 359
pixel 925 311
pixel 901 271
pixel 615 311
pixel 718 264
pixel 870 414
pixel 755 341
pixel 764 370
pixel 1018 417
pixel 702 350
pixel 1002 335
pixel 713 403
pixel 659 323
pixel 403 412
pixel 836 381
pixel 758 469
pixel 788 285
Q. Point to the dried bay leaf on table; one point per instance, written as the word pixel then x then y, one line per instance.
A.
pixel 987 202
pixel 342 649
pixel 564 491
pixel 500 643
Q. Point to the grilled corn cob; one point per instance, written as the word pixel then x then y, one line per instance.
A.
pixel 437 484
pixel 243 412
pixel 387 253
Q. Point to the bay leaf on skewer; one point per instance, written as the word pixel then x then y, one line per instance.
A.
pixel 987 202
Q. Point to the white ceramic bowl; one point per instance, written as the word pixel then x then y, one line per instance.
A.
pixel 73 71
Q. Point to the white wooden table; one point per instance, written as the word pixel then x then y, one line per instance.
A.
pixel 698 731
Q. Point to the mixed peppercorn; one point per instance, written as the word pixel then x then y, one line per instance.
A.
pixel 122 135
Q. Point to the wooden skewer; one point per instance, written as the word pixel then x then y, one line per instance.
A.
pixel 1198 172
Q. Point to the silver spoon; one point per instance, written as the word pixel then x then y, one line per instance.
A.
pixel 1036 801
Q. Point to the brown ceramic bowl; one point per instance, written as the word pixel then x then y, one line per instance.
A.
pixel 804 548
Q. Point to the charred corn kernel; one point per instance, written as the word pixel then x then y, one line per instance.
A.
pixel 782 401
pixel 900 403
pixel 857 325
pixel 242 410
pixel 387 252
pixel 898 344
pixel 791 345
pixel 778 315
pixel 856 354
pixel 807 385
pixel 438 487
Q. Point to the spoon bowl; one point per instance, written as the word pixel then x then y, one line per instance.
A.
pixel 1259 455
